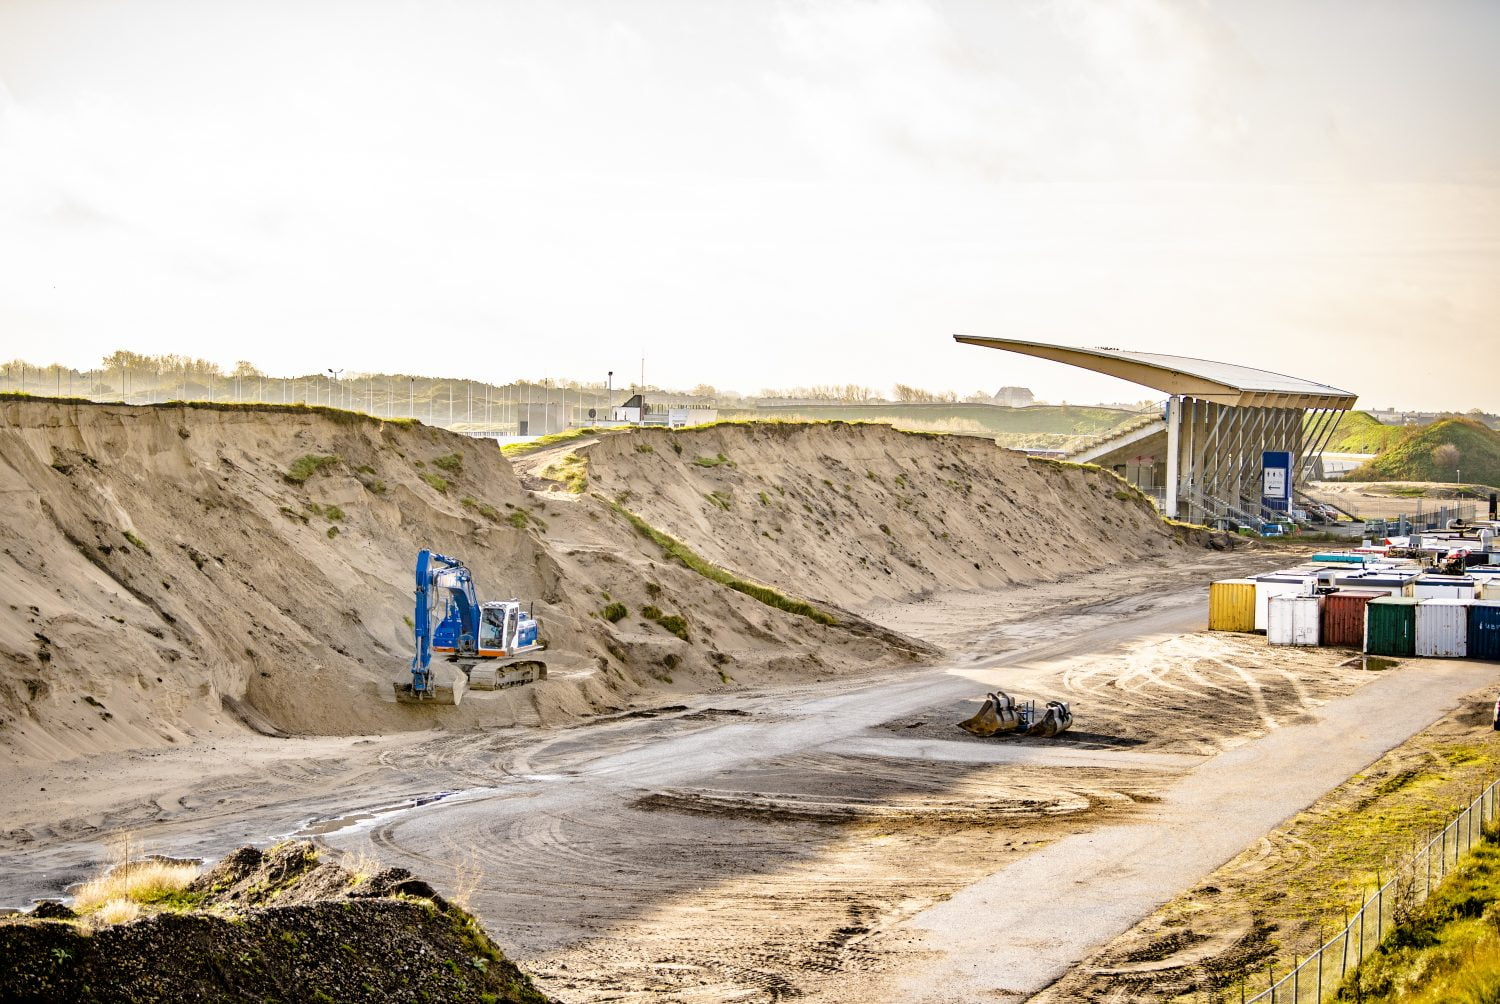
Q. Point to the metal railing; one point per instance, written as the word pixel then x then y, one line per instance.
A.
pixel 1393 904
pixel 1422 521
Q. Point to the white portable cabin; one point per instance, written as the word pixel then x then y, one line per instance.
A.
pixel 1391 581
pixel 1294 620
pixel 1443 628
pixel 1289 582
pixel 1444 587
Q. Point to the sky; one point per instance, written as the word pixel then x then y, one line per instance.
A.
pixel 759 193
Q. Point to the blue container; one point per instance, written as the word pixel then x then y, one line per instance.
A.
pixel 1484 630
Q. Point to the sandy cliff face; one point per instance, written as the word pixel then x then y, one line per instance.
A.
pixel 855 513
pixel 155 562
pixel 167 572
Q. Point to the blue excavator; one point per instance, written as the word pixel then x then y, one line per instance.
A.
pixel 487 645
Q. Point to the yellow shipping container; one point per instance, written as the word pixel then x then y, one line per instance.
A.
pixel 1231 605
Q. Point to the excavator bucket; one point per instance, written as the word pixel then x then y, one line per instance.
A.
pixel 447 688
pixel 1056 720
pixel 996 716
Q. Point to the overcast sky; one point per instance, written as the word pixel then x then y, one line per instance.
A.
pixel 759 194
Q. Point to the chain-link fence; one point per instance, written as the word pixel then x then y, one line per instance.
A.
pixel 1393 904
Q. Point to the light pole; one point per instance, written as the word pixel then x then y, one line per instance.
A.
pixel 334 374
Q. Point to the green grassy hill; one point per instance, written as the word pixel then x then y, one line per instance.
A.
pixel 1357 432
pixel 1410 458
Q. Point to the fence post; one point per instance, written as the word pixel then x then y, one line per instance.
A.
pixel 1362 930
pixel 1379 911
pixel 1344 952
pixel 1321 945
pixel 1296 972
pixel 1271 980
pixel 1443 858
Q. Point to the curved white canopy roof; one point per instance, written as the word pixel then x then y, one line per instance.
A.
pixel 1224 383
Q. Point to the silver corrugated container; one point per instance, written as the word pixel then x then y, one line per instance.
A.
pixel 1294 620
pixel 1443 628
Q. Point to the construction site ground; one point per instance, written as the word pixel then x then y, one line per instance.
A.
pixel 828 839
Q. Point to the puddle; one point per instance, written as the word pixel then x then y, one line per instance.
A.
pixel 1372 663
pixel 359 819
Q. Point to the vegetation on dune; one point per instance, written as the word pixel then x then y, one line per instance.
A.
pixel 1421 454
pixel 1449 952
pixel 572 470
pixel 614 613
pixel 543 442
pixel 676 549
pixel 306 466
pixel 1357 432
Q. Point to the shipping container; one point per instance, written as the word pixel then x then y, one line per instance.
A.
pixel 1391 626
pixel 1484 629
pixel 1443 587
pixel 1443 628
pixel 1489 591
pixel 1344 617
pixel 1279 584
pixel 1294 620
pixel 1231 605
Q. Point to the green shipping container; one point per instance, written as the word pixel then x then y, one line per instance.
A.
pixel 1391 626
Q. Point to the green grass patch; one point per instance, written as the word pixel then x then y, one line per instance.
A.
pixel 542 443
pixel 307 465
pixel 453 463
pixel 716 460
pixel 572 471
pixel 518 519
pixel 676 625
pixel 436 482
pixel 678 551
pixel 484 509
pixel 136 542
pixel 615 612
pixel 721 499
pixel 1414 456
pixel 1449 952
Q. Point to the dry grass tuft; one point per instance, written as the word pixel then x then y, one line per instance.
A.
pixel 361 864
pixel 133 879
pixel 116 911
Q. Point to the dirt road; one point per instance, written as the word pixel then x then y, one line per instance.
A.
pixel 791 840
pixel 1017 931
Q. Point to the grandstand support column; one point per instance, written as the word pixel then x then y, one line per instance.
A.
pixel 1174 445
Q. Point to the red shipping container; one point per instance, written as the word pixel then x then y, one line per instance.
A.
pixel 1344 617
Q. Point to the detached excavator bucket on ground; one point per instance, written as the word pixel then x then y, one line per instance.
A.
pixel 998 715
pixel 444 686
pixel 1056 720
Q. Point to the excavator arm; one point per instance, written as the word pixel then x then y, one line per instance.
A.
pixel 444 586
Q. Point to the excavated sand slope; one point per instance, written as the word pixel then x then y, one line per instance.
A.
pixel 157 563
pixel 857 513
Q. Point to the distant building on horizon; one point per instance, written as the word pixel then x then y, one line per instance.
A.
pixel 1014 397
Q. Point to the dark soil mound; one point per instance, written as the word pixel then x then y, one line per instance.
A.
pixel 280 926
